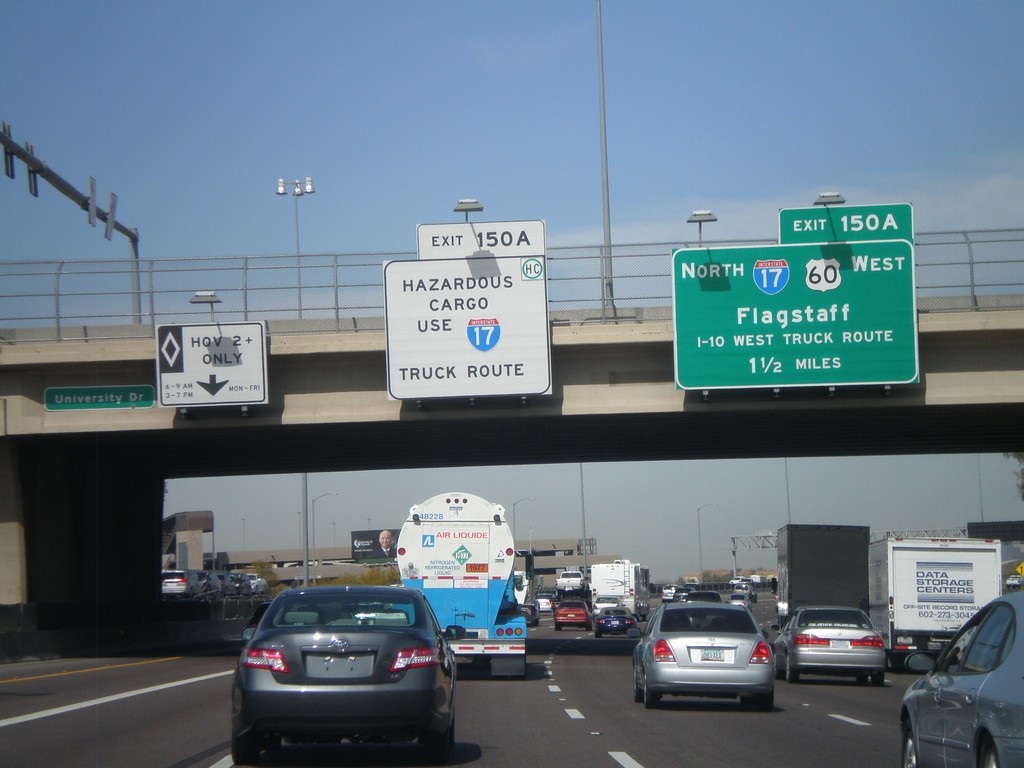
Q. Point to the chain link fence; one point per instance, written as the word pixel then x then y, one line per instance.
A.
pixel 344 292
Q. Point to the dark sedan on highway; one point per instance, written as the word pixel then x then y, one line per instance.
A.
pixel 331 663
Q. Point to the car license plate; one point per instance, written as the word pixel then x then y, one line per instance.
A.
pixel 712 654
pixel 339 667
pixel 839 644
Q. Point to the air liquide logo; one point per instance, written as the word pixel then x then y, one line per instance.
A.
pixel 462 555
pixel 427 540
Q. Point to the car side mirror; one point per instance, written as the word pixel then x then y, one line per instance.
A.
pixel 247 633
pixel 919 662
pixel 455 632
pixel 633 632
pixel 775 627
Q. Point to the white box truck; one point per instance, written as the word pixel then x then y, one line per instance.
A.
pixel 628 581
pixel 921 590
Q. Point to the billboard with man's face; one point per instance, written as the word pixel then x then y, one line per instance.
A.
pixel 376 545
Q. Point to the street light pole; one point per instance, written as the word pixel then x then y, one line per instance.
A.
pixel 700 544
pixel 298 190
pixel 313 523
pixel 514 504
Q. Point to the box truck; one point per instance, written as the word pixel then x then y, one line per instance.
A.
pixel 921 590
pixel 822 565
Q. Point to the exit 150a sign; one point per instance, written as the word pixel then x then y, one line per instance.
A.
pixel 795 315
pixel 845 223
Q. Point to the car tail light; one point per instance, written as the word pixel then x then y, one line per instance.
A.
pixel 663 651
pixel 803 639
pixel 762 653
pixel 265 658
pixel 408 658
pixel 870 641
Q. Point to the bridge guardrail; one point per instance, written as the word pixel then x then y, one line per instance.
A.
pixel 79 300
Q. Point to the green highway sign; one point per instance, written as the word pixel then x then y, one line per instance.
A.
pixel 795 315
pixel 88 398
pixel 846 223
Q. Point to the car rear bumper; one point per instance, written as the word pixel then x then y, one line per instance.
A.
pixel 702 681
pixel 397 711
pixel 826 661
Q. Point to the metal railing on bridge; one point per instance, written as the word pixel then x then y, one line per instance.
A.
pixel 72 300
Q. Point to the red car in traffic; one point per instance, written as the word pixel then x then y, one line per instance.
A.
pixel 572 613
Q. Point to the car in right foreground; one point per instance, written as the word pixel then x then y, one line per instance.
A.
pixel 362 663
pixel 829 640
pixel 968 708
pixel 705 650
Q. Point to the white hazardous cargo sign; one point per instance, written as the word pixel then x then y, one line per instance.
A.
pixel 467 327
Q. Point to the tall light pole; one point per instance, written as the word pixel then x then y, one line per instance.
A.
pixel 514 504
pixel 298 190
pixel 243 534
pixel 313 523
pixel 700 544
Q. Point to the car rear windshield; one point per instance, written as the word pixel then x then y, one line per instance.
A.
pixel 304 610
pixel 703 621
pixel 834 618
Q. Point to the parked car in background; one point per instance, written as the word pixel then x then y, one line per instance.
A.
pixel 605 601
pixel 703 596
pixel 829 640
pixel 210 587
pixel 703 649
pixel 332 663
pixel 257 584
pixel 613 621
pixel 239 585
pixel 968 707
pixel 179 585
pixel 572 613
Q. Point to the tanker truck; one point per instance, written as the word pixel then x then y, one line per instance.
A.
pixel 458 549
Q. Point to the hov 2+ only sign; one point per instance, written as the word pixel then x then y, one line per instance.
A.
pixel 211 364
pixel 795 315
pixel 467 327
pixel 480 238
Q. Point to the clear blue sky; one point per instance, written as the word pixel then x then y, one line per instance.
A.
pixel 189 111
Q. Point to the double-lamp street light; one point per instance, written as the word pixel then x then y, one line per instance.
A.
pixel 299 189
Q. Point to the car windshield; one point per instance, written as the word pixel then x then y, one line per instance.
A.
pixel 704 621
pixel 834 618
pixel 340 611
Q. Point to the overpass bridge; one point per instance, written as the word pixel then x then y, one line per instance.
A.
pixel 81 490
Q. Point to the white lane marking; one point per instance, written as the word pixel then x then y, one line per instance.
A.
pixel 224 762
pixel 554 689
pixel 624 760
pixel 850 720
pixel 107 699
pixel 574 714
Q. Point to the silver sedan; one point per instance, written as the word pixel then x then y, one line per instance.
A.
pixel 968 710
pixel 711 650
pixel 830 640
